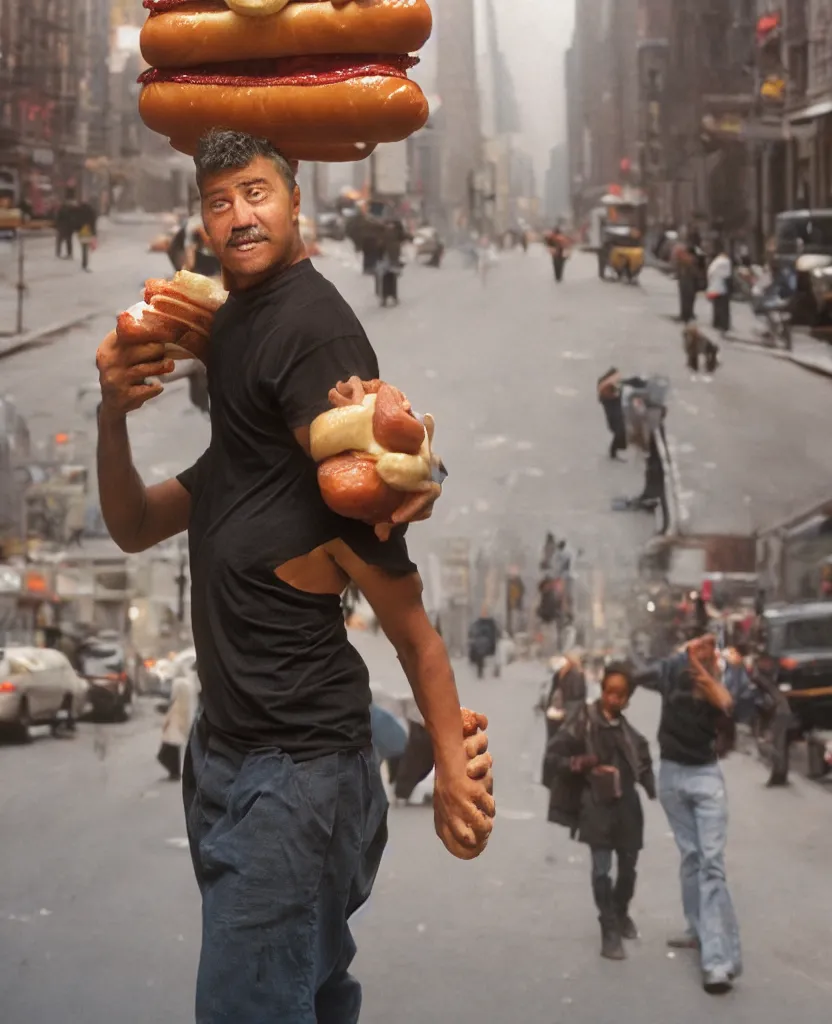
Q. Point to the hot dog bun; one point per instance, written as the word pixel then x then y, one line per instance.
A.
pixel 177 313
pixel 203 34
pixel 373 109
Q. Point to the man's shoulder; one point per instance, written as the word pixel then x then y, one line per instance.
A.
pixel 314 311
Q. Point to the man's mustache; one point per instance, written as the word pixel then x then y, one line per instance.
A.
pixel 243 236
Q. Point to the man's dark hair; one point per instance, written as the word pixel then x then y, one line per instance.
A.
pixel 222 149
pixel 619 668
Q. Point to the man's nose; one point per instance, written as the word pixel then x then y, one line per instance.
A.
pixel 242 215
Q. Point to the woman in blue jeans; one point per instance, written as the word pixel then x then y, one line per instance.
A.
pixel 695 709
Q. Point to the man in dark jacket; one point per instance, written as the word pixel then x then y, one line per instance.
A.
pixel 598 760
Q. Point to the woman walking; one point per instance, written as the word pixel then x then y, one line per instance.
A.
pixel 597 760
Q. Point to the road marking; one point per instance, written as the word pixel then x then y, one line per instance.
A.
pixel 178 843
pixel 486 444
pixel 515 815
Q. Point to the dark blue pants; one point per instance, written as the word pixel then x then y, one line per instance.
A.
pixel 284 854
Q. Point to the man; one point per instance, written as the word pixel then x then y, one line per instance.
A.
pixel 65 225
pixel 695 707
pixel 609 395
pixel 87 224
pixel 557 242
pixel 776 717
pixel 685 262
pixel 285 808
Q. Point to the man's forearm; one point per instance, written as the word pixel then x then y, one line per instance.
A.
pixel 431 678
pixel 121 491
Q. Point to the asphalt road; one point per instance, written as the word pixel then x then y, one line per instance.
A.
pixel 99 916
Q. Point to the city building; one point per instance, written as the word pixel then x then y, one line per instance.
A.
pixel 460 146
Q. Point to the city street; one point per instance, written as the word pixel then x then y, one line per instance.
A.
pixel 99 915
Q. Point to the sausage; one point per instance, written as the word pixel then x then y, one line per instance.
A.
pixel 394 425
pixel 351 487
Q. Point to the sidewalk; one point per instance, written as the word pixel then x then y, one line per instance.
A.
pixel 810 353
pixel 59 295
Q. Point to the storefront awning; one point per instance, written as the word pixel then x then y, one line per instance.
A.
pixel 817 110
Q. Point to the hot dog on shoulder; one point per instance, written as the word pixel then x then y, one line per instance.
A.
pixel 373 453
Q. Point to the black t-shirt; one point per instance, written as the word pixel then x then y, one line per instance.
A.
pixel 276 667
pixel 689 724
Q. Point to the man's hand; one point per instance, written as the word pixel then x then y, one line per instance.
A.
pixel 463 808
pixel 123 369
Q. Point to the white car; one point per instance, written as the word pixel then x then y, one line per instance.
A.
pixel 38 686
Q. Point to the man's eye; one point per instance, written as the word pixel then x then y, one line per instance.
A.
pixel 218 206
pixel 256 194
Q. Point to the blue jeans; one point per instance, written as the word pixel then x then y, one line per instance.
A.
pixel 284 854
pixel 696 805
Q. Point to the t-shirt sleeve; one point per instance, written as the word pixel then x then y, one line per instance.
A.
pixel 188 477
pixel 299 376
pixel 390 555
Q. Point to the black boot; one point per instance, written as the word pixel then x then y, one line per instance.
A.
pixel 612 947
pixel 625 887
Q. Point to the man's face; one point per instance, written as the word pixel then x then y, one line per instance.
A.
pixel 252 221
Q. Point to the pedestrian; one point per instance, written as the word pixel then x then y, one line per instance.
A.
pixel 609 395
pixel 483 637
pixel 695 716
pixel 176 728
pixel 775 717
pixel 389 265
pixel 285 807
pixel 87 227
pixel 558 245
pixel 65 226
pixel 598 761
pixel 719 289
pixel 685 261
pixel 567 692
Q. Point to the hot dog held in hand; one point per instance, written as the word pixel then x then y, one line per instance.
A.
pixel 177 313
pixel 321 79
pixel 374 455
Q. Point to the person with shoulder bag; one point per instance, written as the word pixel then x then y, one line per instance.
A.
pixel 597 760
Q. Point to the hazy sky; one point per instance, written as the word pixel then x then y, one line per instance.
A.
pixel 534 35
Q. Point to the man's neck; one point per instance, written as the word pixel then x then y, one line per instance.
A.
pixel 234 286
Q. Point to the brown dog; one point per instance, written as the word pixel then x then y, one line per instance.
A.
pixel 697 346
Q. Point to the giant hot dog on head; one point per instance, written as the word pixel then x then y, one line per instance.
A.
pixel 322 79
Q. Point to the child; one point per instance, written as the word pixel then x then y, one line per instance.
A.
pixel 597 759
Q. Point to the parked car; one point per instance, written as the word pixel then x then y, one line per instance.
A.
pixel 38 686
pixel 102 662
pixel 799 638
pixel 803 245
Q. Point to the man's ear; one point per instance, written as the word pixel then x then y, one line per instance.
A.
pixel 296 204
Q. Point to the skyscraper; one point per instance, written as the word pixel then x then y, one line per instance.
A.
pixel 461 147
